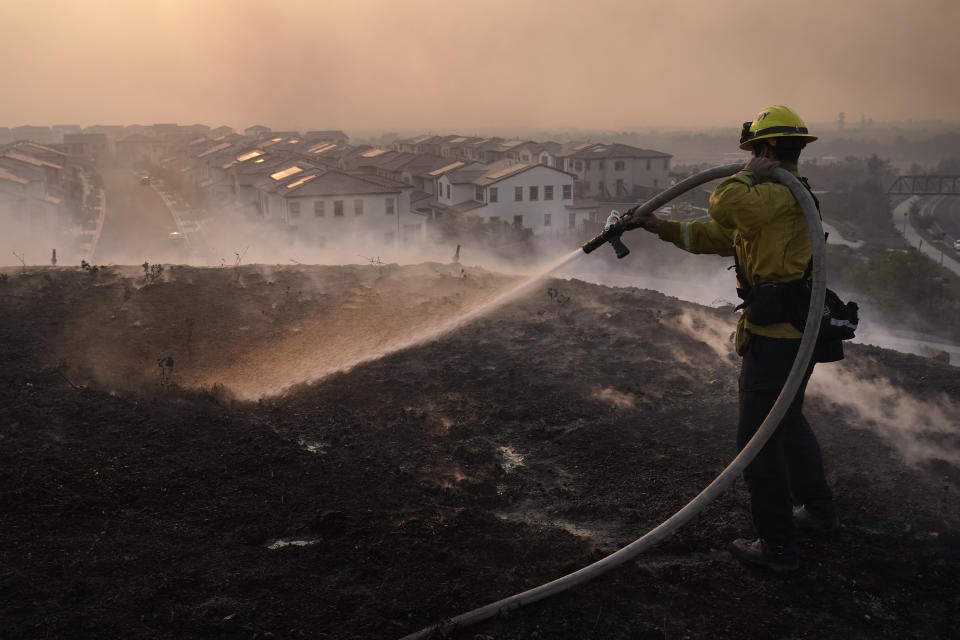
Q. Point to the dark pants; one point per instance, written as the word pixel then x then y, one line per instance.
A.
pixel 789 468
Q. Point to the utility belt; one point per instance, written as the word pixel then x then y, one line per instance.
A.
pixel 778 302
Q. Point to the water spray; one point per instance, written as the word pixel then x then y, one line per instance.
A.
pixel 611 234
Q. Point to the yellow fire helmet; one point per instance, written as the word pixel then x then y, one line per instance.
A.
pixel 777 121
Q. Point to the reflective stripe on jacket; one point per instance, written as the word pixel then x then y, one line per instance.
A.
pixel 766 228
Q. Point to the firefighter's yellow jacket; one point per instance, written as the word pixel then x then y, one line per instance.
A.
pixel 766 228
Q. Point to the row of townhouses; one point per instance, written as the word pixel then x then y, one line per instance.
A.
pixel 321 185
pixel 324 188
pixel 32 185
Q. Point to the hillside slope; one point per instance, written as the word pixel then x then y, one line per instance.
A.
pixel 169 470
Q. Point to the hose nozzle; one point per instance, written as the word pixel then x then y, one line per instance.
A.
pixel 613 228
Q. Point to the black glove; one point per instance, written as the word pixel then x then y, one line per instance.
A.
pixel 628 220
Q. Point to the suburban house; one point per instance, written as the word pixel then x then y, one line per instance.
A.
pixel 526 195
pixel 45 153
pixel 24 201
pixel 535 152
pixel 335 137
pixel 612 171
pixel 272 177
pixel 43 135
pixel 28 160
pixel 403 166
pixel 138 149
pixel 255 130
pixel 328 154
pixel 93 147
pixel 204 169
pixel 333 208
pixel 277 136
pixel 220 183
pixel 59 130
pixel 246 174
pixel 30 188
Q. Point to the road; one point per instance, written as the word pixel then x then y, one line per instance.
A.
pixel 949 258
pixel 946 211
pixel 136 224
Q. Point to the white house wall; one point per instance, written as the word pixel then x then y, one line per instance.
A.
pixel 534 212
pixel 657 176
pixel 458 192
pixel 374 227
pixel 634 173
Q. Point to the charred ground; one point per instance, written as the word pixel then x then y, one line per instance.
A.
pixel 146 500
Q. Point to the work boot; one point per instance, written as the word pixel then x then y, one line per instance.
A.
pixel 810 521
pixel 780 558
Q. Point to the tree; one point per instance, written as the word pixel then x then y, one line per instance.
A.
pixel 879 169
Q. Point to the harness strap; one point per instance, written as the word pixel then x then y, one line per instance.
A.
pixel 745 290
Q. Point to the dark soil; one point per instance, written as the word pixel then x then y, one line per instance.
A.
pixel 149 490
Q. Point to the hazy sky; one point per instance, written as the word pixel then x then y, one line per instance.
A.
pixel 475 66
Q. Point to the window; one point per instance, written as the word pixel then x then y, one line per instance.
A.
pixel 578 165
pixel 448 192
pixel 567 191
pixel 548 192
pixel 338 208
pixel 411 231
pixel 654 183
pixel 666 163
pixel 534 193
pixel 648 164
pixel 572 220
pixel 479 194
pixel 494 197
pixel 619 185
pixel 586 186
pixel 547 219
pixel 601 165
pixel 619 165
pixel 294 209
pixel 518 194
pixel 390 206
pixel 588 165
pixel 518 222
pixel 358 207
pixel 318 211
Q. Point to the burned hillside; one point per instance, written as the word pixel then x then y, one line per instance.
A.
pixel 326 452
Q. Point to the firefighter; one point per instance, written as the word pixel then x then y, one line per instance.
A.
pixel 759 223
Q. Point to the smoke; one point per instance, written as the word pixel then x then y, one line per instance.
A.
pixel 241 73
pixel 919 430
pixel 34 242
pixel 385 314
pixel 709 330
pixel 617 399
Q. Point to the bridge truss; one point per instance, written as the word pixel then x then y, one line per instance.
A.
pixel 925 186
